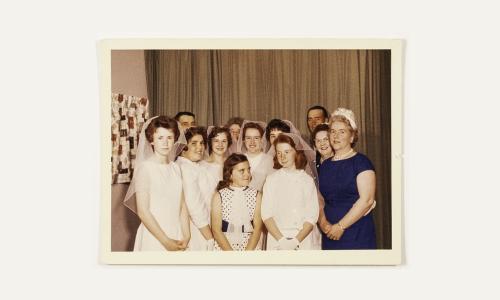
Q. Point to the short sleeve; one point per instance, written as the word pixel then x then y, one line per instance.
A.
pixel 362 163
pixel 267 206
pixel 142 178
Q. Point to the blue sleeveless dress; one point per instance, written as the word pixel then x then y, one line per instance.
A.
pixel 337 184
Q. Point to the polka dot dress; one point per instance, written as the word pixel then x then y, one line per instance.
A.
pixel 226 206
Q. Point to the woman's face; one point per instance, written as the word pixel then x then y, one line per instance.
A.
pixel 285 154
pixel 341 136
pixel 253 141
pixel 195 148
pixel 219 144
pixel 235 132
pixel 163 141
pixel 273 135
pixel 322 144
pixel 240 176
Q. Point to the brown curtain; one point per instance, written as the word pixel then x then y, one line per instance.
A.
pixel 264 84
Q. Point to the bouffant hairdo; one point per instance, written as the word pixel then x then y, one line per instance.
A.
pixel 300 157
pixel 234 120
pixel 163 122
pixel 190 132
pixel 215 131
pixel 227 170
pixel 340 118
pixel 276 124
pixel 254 126
pixel 319 128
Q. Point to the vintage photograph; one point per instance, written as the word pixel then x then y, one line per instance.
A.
pixel 251 151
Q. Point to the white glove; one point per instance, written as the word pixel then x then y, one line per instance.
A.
pixel 286 243
pixel 210 245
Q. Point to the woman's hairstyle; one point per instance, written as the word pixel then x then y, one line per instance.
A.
pixel 343 119
pixel 300 157
pixel 319 128
pixel 252 125
pixel 227 170
pixel 234 120
pixel 163 122
pixel 215 131
pixel 276 124
pixel 191 132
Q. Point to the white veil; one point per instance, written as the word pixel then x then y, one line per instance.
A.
pixel 145 152
pixel 240 146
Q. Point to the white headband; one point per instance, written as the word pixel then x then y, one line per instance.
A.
pixel 348 114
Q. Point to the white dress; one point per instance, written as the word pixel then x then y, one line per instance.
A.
pixel 261 166
pixel 291 199
pixel 198 186
pixel 238 210
pixel 215 171
pixel 164 184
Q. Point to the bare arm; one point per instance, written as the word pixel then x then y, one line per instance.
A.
pixel 272 228
pixel 304 232
pixel 323 223
pixel 257 225
pixel 216 216
pixel 152 225
pixel 366 183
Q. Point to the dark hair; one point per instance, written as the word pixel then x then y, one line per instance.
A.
pixel 215 131
pixel 325 112
pixel 229 164
pixel 254 126
pixel 300 157
pixel 276 124
pixel 190 132
pixel 183 113
pixel 234 120
pixel 320 127
pixel 163 122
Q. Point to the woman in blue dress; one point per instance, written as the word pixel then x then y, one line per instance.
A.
pixel 347 183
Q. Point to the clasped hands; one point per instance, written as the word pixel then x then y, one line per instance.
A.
pixel 288 243
pixel 333 232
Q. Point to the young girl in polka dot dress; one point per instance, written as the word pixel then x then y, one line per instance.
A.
pixel 235 214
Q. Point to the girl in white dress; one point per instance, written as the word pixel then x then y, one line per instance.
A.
pixel 155 193
pixel 290 206
pixel 219 141
pixel 236 220
pixel 252 143
pixel 198 189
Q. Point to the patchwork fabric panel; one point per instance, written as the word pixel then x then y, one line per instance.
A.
pixel 128 114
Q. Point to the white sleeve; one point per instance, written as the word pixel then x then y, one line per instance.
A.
pixel 192 195
pixel 267 206
pixel 312 205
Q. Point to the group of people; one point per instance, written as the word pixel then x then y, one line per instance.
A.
pixel 251 185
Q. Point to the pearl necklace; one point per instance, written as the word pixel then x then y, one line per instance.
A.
pixel 339 157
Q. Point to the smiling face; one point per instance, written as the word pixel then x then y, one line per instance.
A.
pixel 163 140
pixel 235 132
pixel 240 176
pixel 285 154
pixel 341 137
pixel 314 118
pixel 322 144
pixel 219 144
pixel 195 148
pixel 253 141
